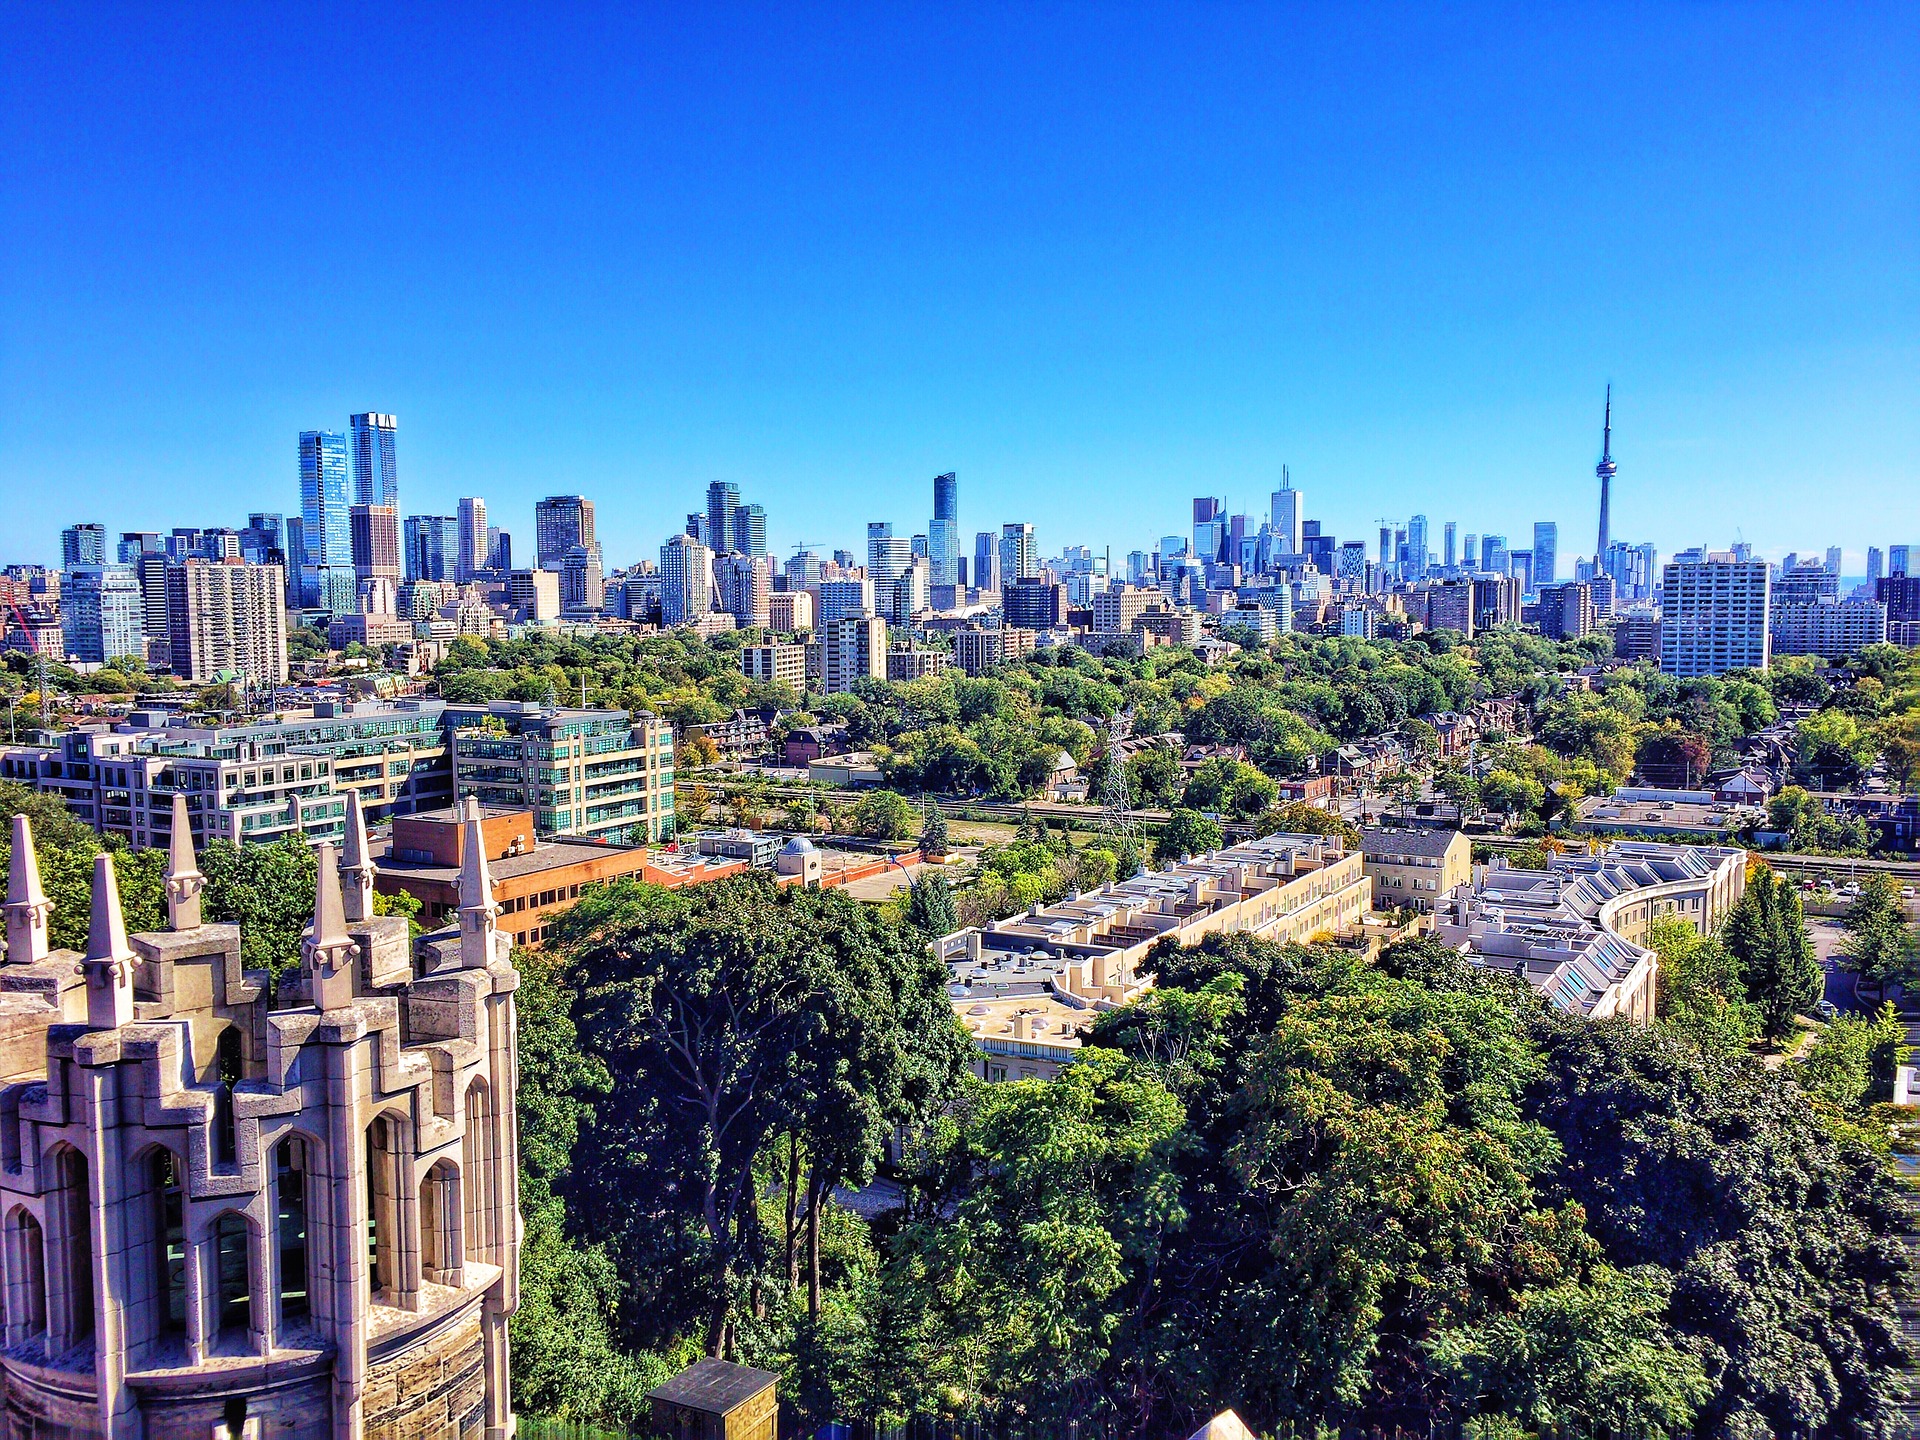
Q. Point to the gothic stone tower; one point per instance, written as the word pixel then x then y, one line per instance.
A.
pixel 229 1211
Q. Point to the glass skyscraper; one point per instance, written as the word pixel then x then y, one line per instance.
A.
pixel 326 577
pixel 723 498
pixel 1546 546
pixel 750 530
pixel 375 480
pixel 943 535
pixel 561 522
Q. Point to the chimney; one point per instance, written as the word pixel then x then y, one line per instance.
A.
pixel 329 952
pixel 184 881
pixel 356 865
pixel 27 905
pixel 109 962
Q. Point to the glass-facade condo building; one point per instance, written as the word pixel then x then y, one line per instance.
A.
pixel 376 481
pixel 326 576
pixel 943 535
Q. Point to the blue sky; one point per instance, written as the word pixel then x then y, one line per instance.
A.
pixel 1097 258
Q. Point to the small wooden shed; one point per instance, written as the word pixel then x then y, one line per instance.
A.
pixel 714 1400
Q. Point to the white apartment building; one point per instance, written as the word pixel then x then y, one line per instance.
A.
pixel 1714 615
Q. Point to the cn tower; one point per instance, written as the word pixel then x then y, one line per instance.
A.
pixel 1605 470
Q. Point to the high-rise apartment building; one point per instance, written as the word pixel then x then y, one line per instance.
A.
pixel 1807 583
pixel 1714 615
pixel 326 576
pixel 1876 565
pixel 745 583
pixel 133 544
pixel 1897 559
pixel 1033 603
pixel 723 499
pixel 943 534
pixel 1566 611
pixel 150 570
pixel 775 662
pixel 376 480
pixel 1831 629
pixel 887 554
pixel 1449 551
pixel 849 649
pixel 750 529
pixel 102 616
pixel 375 531
pixel 1289 516
pixel 1417 548
pixel 583 583
pixel 1019 558
pixel 471 514
pixel 789 611
pixel 534 595
pixel 561 522
pixel 686 580
pixel 1835 558
pixel 1546 547
pixel 227 617
pixel 1209 534
pixel 986 561
pixel 83 544
pixel 1493 554
pixel 841 598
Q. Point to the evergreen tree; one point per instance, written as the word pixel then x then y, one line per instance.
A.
pixel 930 906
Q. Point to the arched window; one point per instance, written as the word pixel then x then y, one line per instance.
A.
pixel 290 1230
pixel 169 1244
pixel 233 1292
pixel 227 1061
pixel 71 1278
pixel 442 1251
pixel 476 1153
pixel 26 1278
pixel 383 1211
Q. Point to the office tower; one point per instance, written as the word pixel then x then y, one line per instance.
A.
pixel 1742 550
pixel 1834 559
pixel 1417 548
pixel 227 617
pixel 686 580
pixel 1386 544
pixel 845 559
pixel 264 541
pixel 583 583
pixel 943 534
pixel 375 480
pixel 326 580
pixel 745 583
pixel 1449 552
pixel 1351 564
pixel 101 613
pixel 803 570
pixel 919 547
pixel 534 594
pixel 1019 559
pixel 1520 566
pixel 83 544
pixel 986 561
pixel 910 592
pixel 887 554
pixel 1605 472
pixel 1546 543
pixel 500 549
pixel 697 525
pixel 432 547
pixel 219 543
pixel 722 500
pixel 1033 603
pixel 561 522
pixel 134 544
pixel 375 532
pixel 1493 554
pixel 1470 552
pixel 1289 514
pixel 1714 615
pixel 471 514
pixel 841 598
pixel 1897 559
pixel 1876 565
pixel 1208 530
pixel 750 529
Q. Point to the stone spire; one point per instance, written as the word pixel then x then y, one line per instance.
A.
pixel 109 963
pixel 27 904
pixel 356 865
pixel 478 913
pixel 184 880
pixel 328 952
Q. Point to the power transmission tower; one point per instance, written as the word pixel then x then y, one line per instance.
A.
pixel 1117 827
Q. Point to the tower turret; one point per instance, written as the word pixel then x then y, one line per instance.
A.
pixel 328 952
pixel 27 904
pixel 356 865
pixel 109 962
pixel 478 914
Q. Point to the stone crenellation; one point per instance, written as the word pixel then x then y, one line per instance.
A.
pixel 231 1209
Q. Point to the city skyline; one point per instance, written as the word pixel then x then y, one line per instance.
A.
pixel 1162 260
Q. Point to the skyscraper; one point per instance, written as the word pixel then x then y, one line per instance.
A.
pixel 1289 514
pixel 561 522
pixel 1714 615
pixel 1448 553
pixel 431 545
pixel 102 615
pixel 1470 552
pixel 723 499
pixel 472 517
pixel 375 480
pixel 686 580
pixel 1019 560
pixel 887 554
pixel 1386 545
pixel 943 534
pixel 1876 564
pixel 1605 472
pixel 1835 558
pixel 1546 545
pixel 326 578
pixel 376 543
pixel 1897 559
pixel 83 544
pixel 986 561
pixel 1493 554
pixel 750 529
pixel 1417 548
pixel 226 617
pixel 1208 530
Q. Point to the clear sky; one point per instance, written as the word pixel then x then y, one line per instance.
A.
pixel 1097 258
